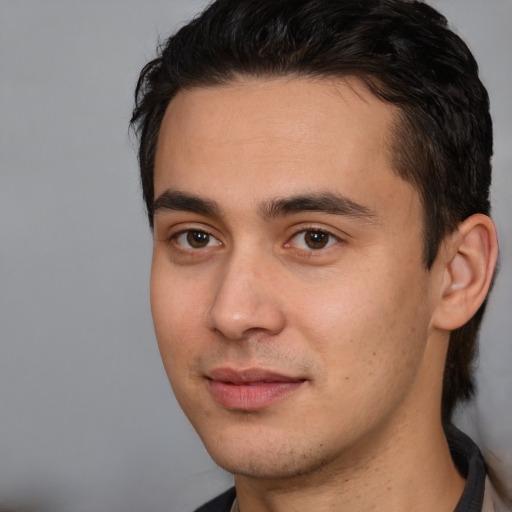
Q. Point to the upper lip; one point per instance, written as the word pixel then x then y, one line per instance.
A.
pixel 249 376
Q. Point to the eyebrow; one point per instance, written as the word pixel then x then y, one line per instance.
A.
pixel 329 203
pixel 175 200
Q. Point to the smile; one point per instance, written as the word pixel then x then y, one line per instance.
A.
pixel 250 390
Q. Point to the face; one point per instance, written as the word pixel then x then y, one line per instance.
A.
pixel 291 304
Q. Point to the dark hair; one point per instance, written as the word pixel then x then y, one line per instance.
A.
pixel 403 51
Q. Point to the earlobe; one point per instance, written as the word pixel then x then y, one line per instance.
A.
pixel 470 258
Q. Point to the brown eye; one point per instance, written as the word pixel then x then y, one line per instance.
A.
pixel 313 239
pixel 316 239
pixel 196 239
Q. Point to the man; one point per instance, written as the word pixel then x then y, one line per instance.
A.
pixel 317 176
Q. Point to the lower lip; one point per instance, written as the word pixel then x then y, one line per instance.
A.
pixel 251 397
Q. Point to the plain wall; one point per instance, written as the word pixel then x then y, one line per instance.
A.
pixel 87 418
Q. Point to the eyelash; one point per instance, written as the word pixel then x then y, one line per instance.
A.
pixel 321 237
pixel 321 234
pixel 191 232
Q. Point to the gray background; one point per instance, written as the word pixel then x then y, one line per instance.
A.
pixel 87 418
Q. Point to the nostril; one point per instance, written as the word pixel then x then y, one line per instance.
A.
pixel 243 320
pixel 244 303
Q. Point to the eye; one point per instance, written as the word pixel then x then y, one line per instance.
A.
pixel 312 239
pixel 195 239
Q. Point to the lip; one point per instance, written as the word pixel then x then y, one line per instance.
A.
pixel 252 389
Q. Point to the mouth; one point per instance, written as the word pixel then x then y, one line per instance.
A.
pixel 250 390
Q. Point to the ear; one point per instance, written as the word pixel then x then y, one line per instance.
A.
pixel 468 257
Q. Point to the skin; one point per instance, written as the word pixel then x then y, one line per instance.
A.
pixel 356 321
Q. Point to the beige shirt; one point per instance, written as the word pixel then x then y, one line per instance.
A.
pixel 492 502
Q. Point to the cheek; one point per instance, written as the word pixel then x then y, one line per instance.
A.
pixel 371 350
pixel 176 327
pixel 366 328
pixel 176 316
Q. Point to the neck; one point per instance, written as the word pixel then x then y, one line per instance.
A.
pixel 413 471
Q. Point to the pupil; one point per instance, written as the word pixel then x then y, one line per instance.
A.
pixel 316 239
pixel 198 238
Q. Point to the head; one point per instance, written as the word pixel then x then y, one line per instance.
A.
pixel 403 53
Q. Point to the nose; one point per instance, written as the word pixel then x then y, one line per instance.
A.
pixel 246 300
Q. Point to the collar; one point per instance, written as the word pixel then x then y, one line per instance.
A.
pixel 471 466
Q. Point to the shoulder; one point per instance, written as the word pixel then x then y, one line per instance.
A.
pixel 221 503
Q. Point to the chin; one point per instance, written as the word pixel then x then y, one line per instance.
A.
pixel 266 457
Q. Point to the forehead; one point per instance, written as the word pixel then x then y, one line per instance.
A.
pixel 264 137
